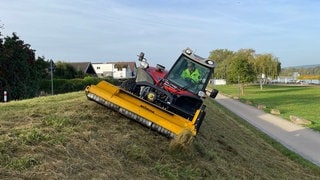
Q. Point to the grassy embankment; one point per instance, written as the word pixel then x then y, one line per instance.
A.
pixel 300 101
pixel 68 137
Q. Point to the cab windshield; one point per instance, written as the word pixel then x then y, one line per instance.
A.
pixel 179 75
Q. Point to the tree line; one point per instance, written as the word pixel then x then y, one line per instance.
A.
pixel 20 71
pixel 244 65
pixel 23 75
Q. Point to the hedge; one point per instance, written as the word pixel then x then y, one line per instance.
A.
pixel 70 85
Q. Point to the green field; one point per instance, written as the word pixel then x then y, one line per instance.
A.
pixel 301 101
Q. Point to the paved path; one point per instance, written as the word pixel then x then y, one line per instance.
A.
pixel 303 141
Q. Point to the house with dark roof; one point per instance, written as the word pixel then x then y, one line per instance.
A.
pixel 85 67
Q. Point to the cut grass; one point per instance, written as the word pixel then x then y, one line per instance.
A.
pixel 301 101
pixel 68 137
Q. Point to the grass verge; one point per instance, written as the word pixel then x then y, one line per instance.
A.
pixel 301 101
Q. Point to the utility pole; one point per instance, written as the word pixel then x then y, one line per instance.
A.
pixel 225 73
pixel 51 72
pixel 239 86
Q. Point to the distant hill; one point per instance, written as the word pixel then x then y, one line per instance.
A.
pixel 302 70
pixel 303 66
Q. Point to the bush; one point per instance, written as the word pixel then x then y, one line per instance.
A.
pixel 70 85
pixel 91 80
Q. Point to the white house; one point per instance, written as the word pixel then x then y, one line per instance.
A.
pixel 117 70
pixel 103 70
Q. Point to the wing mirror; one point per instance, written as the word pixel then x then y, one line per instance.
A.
pixel 214 93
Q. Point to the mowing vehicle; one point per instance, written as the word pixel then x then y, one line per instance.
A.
pixel 162 100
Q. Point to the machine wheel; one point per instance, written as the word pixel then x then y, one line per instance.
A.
pixel 129 85
pixel 200 120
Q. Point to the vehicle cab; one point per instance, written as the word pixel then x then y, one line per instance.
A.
pixel 205 68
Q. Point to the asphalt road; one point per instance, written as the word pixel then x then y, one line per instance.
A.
pixel 301 140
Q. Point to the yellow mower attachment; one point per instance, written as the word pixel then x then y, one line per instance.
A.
pixel 150 115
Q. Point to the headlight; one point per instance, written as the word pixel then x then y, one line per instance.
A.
pixel 210 62
pixel 188 51
pixel 144 64
pixel 201 93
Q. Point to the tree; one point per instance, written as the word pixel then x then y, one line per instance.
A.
pixel 42 66
pixel 3 81
pixel 19 69
pixel 64 71
pixel 266 67
pixel 224 59
pixel 220 56
pixel 267 64
pixel 241 69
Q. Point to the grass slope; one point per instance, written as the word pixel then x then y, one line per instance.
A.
pixel 68 137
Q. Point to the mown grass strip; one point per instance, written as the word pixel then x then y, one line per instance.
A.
pixel 68 137
pixel 300 101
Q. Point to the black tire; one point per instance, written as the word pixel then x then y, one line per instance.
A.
pixel 200 120
pixel 129 85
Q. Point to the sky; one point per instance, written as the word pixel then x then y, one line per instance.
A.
pixel 118 30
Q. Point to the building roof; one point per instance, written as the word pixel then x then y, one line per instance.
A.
pixel 85 67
